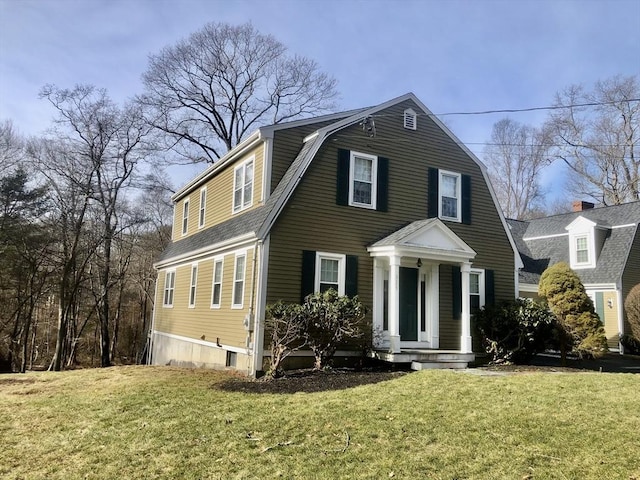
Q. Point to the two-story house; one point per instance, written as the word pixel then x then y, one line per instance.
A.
pixel 383 202
pixel 602 245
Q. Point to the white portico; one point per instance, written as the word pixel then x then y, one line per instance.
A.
pixel 406 278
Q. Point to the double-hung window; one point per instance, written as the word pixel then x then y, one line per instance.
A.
pixel 203 207
pixel 362 180
pixel 185 216
pixel 193 285
pixel 216 289
pixel 169 286
pixel 582 249
pixel 243 186
pixel 476 289
pixel 238 281
pixel 330 272
pixel 450 196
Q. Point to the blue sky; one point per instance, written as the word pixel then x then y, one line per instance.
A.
pixel 456 56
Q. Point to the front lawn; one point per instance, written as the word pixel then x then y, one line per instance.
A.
pixel 161 422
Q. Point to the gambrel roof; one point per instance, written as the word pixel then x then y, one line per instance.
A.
pixel 545 241
pixel 258 221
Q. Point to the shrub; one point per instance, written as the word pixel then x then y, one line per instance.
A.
pixel 632 309
pixel 287 327
pixel 330 319
pixel 514 331
pixel 578 326
pixel 630 344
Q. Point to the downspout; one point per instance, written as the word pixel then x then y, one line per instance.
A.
pixel 620 318
pixel 153 323
pixel 251 313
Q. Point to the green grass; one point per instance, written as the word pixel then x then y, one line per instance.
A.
pixel 159 422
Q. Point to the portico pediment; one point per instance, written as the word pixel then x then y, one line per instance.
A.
pixel 430 239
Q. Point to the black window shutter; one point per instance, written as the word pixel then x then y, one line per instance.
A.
pixel 489 288
pixel 342 182
pixel 456 290
pixel 351 282
pixel 432 197
pixel 382 202
pixel 466 199
pixel 308 273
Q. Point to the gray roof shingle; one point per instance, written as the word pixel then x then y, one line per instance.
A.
pixel 540 246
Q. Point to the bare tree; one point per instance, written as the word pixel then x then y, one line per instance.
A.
pixel 11 147
pixel 597 133
pixel 207 91
pixel 108 141
pixel 515 156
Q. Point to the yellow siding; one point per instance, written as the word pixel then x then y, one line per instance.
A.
pixel 224 324
pixel 631 275
pixel 611 317
pixel 219 202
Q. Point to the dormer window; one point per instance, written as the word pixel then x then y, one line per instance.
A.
pixel 410 119
pixel 243 186
pixel 585 241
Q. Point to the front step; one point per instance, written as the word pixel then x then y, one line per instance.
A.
pixel 438 365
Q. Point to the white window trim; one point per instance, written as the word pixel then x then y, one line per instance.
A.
pixel 481 286
pixel 410 114
pixel 441 174
pixel 193 285
pixel 342 260
pixel 374 178
pixel 235 280
pixel 217 261
pixel 185 218
pixel 573 250
pixel 239 208
pixel 169 273
pixel 202 212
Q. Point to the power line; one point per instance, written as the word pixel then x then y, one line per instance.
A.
pixel 518 110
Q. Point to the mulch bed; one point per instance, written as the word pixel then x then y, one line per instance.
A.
pixel 309 381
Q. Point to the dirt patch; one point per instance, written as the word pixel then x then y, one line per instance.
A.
pixel 8 380
pixel 310 381
pixel 550 362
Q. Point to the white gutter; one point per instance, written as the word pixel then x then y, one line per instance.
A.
pixel 230 244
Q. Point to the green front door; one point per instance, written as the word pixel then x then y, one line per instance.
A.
pixel 408 304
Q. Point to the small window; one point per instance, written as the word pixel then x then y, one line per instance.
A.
pixel 476 289
pixel 410 119
pixel 362 180
pixel 449 190
pixel 232 359
pixel 243 186
pixel 238 282
pixel 192 286
pixel 203 207
pixel 330 272
pixel 582 249
pixel 216 289
pixel 185 217
pixel 169 285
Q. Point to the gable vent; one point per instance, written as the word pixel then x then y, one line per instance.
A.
pixel 410 119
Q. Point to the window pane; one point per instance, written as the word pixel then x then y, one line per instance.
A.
pixel 327 286
pixel 449 207
pixel 362 192
pixel 449 186
pixel 239 268
pixel 328 271
pixel 238 292
pixel 217 276
pixel 362 170
pixel 216 294
pixel 474 283
pixel 582 252
pixel 248 173
pixel 248 194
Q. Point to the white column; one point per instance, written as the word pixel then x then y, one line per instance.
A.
pixel 433 302
pixel 394 304
pixel 378 301
pixel 465 338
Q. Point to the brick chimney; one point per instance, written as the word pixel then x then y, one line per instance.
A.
pixel 580 205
